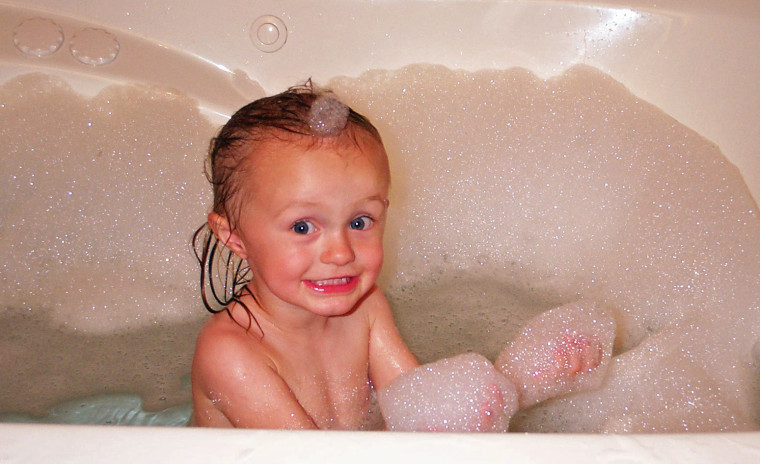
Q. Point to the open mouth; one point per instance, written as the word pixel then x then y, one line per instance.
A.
pixel 336 285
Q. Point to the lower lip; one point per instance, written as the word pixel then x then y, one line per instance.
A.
pixel 333 288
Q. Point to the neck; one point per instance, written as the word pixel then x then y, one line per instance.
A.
pixel 285 320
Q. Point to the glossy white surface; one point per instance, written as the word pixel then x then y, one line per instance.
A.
pixel 56 443
pixel 696 61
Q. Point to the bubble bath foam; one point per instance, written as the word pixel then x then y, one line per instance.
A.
pixel 517 188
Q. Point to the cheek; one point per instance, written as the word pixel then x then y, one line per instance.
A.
pixel 281 272
pixel 372 254
pixel 278 260
pixel 295 260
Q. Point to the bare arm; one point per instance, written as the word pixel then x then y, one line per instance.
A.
pixel 234 385
pixel 389 356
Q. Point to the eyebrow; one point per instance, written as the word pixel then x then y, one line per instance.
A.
pixel 311 204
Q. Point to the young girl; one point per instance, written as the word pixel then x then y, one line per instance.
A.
pixel 303 334
pixel 300 194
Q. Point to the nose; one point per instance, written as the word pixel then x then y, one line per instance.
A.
pixel 338 249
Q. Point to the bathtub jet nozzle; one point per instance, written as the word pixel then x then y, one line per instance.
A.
pixel 327 116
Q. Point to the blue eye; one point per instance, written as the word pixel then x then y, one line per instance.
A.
pixel 303 227
pixel 361 223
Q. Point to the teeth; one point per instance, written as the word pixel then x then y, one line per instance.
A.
pixel 341 281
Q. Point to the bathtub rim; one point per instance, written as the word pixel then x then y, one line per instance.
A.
pixel 21 442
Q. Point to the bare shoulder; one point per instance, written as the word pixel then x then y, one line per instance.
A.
pixel 225 350
pixel 235 381
pixel 389 355
pixel 375 306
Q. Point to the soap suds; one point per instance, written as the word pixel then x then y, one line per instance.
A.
pixel 99 198
pixel 558 189
pixel 511 195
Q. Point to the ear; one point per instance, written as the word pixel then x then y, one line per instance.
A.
pixel 221 228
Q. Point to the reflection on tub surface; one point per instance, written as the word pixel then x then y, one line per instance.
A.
pixel 510 195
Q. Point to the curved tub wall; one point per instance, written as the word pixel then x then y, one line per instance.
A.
pixel 698 63
pixel 692 61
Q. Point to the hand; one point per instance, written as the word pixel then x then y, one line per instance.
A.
pixel 464 393
pixel 564 350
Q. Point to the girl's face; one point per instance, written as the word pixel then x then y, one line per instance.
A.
pixel 312 228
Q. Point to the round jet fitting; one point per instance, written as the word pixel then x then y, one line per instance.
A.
pixel 94 47
pixel 268 33
pixel 38 37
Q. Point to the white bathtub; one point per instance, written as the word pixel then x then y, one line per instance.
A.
pixel 699 63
